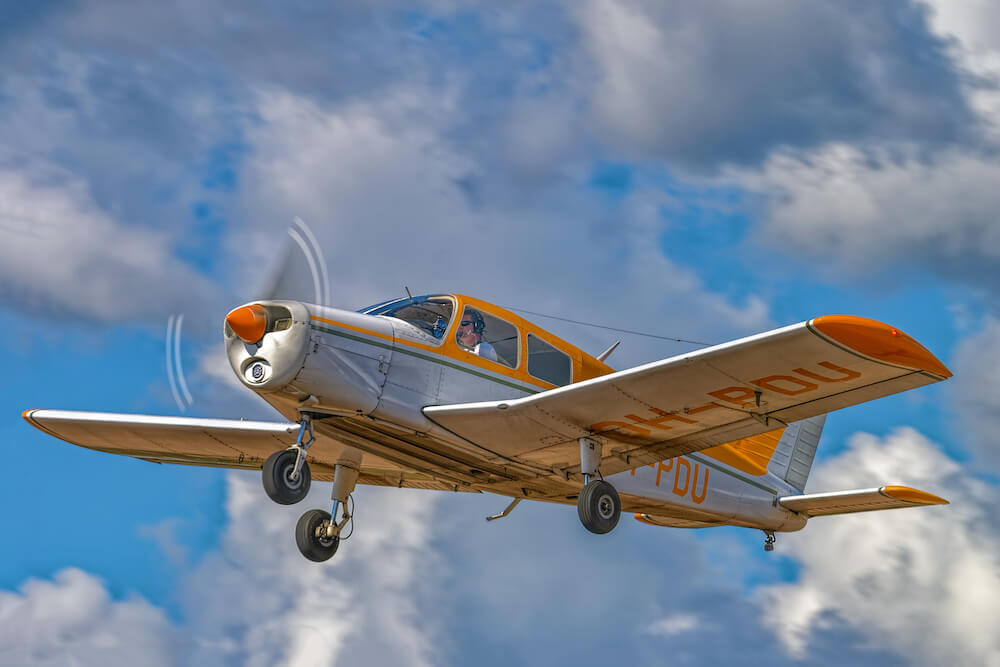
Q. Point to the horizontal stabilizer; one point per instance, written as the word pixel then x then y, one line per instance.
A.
pixel 863 500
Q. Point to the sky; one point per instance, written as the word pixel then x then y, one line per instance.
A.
pixel 699 171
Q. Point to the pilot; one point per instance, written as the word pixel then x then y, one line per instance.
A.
pixel 470 335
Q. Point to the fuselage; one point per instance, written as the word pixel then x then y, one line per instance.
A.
pixel 375 370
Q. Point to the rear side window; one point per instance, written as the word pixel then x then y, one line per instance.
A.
pixel 545 362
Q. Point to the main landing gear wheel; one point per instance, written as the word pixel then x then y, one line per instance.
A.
pixel 599 507
pixel 307 536
pixel 277 477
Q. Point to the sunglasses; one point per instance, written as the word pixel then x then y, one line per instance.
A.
pixel 467 323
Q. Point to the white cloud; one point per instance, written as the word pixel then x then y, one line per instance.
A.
pixel 674 624
pixel 868 210
pixel 273 606
pixel 707 84
pixel 72 620
pixel 254 600
pixel 977 394
pixel 63 254
pixel 922 582
pixel 973 24
pixel 971 29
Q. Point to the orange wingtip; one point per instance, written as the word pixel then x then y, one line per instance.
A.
pixel 879 341
pixel 913 495
pixel 26 415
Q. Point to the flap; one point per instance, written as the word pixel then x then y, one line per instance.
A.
pixel 863 500
pixel 226 443
pixel 701 399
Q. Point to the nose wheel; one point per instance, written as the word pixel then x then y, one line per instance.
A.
pixel 318 533
pixel 311 536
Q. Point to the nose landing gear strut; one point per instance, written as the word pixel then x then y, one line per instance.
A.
pixel 318 533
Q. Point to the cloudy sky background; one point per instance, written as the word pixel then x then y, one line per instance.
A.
pixel 695 170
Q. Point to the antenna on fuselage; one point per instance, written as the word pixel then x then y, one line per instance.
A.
pixel 408 293
pixel 607 353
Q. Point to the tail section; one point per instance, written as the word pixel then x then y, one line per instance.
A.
pixel 793 457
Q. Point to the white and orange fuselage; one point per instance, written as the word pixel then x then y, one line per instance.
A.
pixel 378 378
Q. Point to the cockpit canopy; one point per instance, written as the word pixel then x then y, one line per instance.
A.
pixel 480 332
pixel 431 314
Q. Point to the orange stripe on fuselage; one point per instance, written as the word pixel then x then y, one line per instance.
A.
pixel 444 350
pixel 367 332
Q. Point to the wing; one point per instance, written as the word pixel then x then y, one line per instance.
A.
pixel 702 399
pixel 864 500
pixel 225 443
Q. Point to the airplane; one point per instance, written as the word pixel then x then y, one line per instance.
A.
pixel 450 392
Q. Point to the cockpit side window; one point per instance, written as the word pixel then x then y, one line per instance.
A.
pixel 488 336
pixel 429 314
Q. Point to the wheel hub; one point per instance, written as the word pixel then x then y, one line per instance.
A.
pixel 321 535
pixel 605 507
pixel 292 482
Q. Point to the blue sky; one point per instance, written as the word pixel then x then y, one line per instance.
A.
pixel 696 170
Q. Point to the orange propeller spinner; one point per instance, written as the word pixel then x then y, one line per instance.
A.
pixel 248 322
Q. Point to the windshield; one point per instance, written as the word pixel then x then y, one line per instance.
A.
pixel 431 314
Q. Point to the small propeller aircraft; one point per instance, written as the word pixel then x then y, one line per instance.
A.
pixel 450 392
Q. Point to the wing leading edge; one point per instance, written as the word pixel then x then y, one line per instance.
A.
pixel 702 399
pixel 225 443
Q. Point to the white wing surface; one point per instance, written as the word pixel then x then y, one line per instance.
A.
pixel 226 443
pixel 701 399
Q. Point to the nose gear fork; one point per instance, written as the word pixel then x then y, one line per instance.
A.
pixel 318 533
pixel 344 480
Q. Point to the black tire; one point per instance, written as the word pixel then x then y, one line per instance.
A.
pixel 599 507
pixel 276 475
pixel 316 549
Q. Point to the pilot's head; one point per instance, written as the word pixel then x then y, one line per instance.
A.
pixel 470 329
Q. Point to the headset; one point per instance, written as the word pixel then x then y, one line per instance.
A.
pixel 478 324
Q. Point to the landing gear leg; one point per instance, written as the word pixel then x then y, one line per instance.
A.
pixel 317 533
pixel 769 540
pixel 286 474
pixel 598 505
